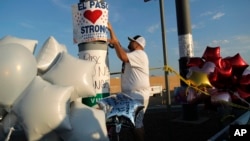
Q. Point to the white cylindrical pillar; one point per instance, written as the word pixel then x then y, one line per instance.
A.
pixel 97 52
pixel 90 18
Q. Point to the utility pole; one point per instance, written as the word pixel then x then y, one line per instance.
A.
pixel 164 44
pixel 185 50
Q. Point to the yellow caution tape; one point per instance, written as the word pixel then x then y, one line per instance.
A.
pixel 188 82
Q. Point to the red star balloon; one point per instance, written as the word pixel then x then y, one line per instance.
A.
pixel 211 53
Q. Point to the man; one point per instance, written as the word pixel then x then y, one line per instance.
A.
pixel 135 73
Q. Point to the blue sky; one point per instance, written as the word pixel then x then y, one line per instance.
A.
pixel 223 23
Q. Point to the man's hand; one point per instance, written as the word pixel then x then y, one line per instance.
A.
pixel 114 43
pixel 109 26
pixel 113 39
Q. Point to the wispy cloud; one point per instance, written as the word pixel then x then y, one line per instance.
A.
pixel 173 29
pixel 207 13
pixel 228 47
pixel 27 25
pixel 219 42
pixel 198 25
pixel 153 28
pixel 193 0
pixel 242 38
pixel 215 15
pixel 61 4
pixel 218 15
pixel 194 26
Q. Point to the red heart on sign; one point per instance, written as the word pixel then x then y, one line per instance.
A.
pixel 92 16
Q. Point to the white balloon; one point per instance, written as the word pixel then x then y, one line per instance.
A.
pixel 208 67
pixel 44 108
pixel 220 96
pixel 28 43
pixel 48 54
pixel 71 71
pixel 17 69
pixel 88 124
pixel 246 72
pixel 191 70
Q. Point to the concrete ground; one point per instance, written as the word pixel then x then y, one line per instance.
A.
pixel 174 124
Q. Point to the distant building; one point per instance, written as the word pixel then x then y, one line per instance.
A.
pixel 174 81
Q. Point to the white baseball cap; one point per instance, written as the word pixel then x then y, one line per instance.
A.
pixel 139 39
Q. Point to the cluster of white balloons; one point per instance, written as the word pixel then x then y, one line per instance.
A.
pixel 42 94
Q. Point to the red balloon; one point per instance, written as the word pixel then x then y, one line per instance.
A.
pixel 215 79
pixel 224 68
pixel 238 64
pixel 237 60
pixel 195 61
pixel 220 79
pixel 211 53
pixel 244 93
pixel 245 80
pixel 222 64
pixel 244 86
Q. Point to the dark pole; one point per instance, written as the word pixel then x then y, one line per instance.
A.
pixel 164 44
pixel 163 32
pixel 185 35
pixel 185 50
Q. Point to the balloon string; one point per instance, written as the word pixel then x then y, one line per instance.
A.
pixel 234 105
pixel 226 117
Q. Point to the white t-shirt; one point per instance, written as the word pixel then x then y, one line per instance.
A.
pixel 135 76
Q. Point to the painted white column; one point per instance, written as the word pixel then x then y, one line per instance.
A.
pixel 90 18
pixel 186 45
pixel 97 52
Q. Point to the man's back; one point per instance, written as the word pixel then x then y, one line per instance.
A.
pixel 135 77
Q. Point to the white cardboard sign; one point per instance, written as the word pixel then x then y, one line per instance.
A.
pixel 90 21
